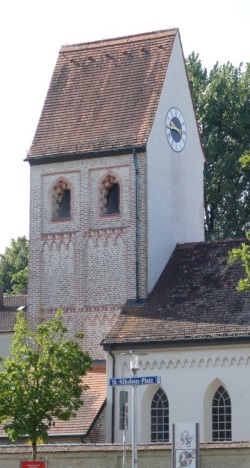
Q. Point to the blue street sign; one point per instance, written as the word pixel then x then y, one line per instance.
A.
pixel 134 381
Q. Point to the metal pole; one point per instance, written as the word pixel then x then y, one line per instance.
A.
pixel 134 366
pixel 124 449
pixel 134 423
pixel 135 431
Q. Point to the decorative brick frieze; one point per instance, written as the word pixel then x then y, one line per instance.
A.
pixel 94 322
pixel 107 232
pixel 58 239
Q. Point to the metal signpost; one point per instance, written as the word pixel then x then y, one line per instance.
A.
pixel 123 422
pixel 134 381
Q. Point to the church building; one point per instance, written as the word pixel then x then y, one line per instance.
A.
pixel 117 237
pixel 116 179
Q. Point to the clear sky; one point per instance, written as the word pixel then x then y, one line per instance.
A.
pixel 32 32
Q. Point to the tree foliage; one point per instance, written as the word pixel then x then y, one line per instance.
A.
pixel 41 379
pixel 243 254
pixel 14 266
pixel 222 101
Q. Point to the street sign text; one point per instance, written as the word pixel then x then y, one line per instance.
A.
pixel 134 381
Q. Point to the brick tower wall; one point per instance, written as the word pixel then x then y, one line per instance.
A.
pixel 86 264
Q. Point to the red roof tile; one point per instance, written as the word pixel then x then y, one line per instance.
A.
pixel 9 310
pixel 103 95
pixel 94 400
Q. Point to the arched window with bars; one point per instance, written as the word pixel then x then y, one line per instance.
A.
pixel 160 417
pixel 221 416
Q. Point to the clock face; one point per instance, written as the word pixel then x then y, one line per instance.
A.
pixel 176 129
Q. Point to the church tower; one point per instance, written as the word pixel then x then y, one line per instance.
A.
pixel 116 170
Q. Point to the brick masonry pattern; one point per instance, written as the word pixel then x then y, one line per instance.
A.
pixel 87 264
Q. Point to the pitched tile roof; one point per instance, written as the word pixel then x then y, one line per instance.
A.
pixel 94 399
pixel 195 298
pixel 8 311
pixel 103 95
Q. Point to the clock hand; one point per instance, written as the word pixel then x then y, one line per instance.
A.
pixel 173 127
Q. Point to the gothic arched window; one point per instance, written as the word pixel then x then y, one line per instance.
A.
pixel 110 195
pixel 61 200
pixel 160 417
pixel 64 205
pixel 221 416
pixel 113 199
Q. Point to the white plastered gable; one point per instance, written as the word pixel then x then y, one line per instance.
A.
pixel 174 179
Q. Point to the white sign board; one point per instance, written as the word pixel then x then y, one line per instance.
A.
pixel 186 445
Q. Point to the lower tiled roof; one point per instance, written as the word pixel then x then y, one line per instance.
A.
pixel 195 298
pixel 94 399
pixel 9 310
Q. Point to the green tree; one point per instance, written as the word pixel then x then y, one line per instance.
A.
pixel 41 379
pixel 14 266
pixel 243 254
pixel 222 101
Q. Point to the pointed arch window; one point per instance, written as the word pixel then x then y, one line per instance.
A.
pixel 61 200
pixel 160 417
pixel 113 199
pixel 64 205
pixel 221 416
pixel 110 195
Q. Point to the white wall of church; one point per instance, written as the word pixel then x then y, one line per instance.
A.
pixel 175 179
pixel 189 378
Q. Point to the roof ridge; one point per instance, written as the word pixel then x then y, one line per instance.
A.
pixel 189 245
pixel 122 39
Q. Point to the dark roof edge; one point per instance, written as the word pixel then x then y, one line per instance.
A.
pixel 98 414
pixel 89 154
pixel 229 240
pixel 222 340
pixel 80 434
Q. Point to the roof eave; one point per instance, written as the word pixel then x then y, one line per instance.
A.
pixel 35 160
pixel 182 342
pixel 98 414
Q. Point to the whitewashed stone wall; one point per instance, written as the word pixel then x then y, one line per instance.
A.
pixel 101 456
